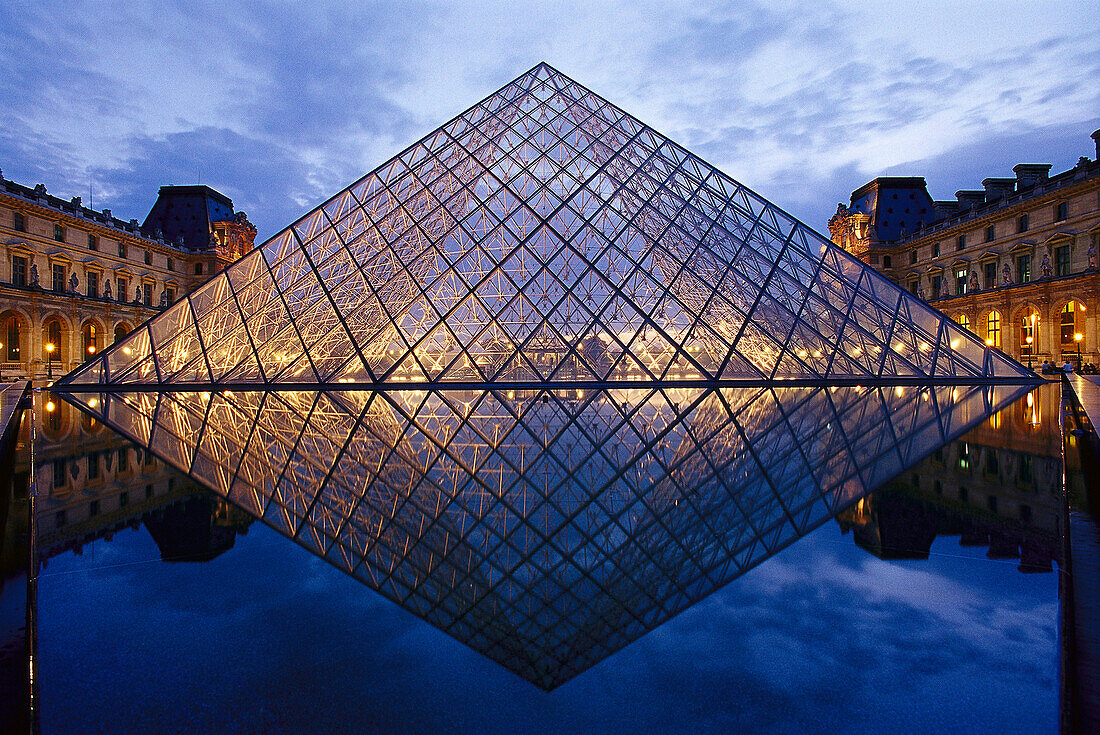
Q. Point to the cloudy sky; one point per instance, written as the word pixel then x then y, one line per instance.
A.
pixel 281 105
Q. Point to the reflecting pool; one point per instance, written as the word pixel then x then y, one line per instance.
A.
pixel 791 559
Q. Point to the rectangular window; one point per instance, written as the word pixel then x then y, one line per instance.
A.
pixel 912 256
pixel 989 234
pixel 93 244
pixel 1022 224
pixel 58 278
pixel 122 250
pixel 93 465
pixel 1023 269
pixel 20 222
pixel 170 295
pixel 198 269
pixel 1061 260
pixel 960 242
pixel 93 285
pixel 935 249
pixel 148 258
pixel 170 264
pixel 147 294
pixel 1061 211
pixel 59 233
pixel 914 286
pixel 123 287
pixel 937 284
pixel 991 274
pixel 18 270
pixel 960 281
pixel 887 261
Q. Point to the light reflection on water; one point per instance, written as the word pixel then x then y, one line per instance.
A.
pixel 816 616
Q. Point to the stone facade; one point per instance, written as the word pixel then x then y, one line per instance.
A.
pixel 78 279
pixel 1015 260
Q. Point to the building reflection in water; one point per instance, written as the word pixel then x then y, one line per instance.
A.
pixel 998 486
pixel 91 483
pixel 547 529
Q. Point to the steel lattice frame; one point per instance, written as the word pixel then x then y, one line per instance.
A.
pixel 545 378
pixel 546 529
pixel 545 236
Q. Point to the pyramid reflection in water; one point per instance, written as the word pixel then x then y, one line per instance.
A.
pixel 546 529
pixel 546 236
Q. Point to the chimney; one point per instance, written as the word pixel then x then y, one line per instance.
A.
pixel 945 209
pixel 968 199
pixel 996 188
pixel 1030 174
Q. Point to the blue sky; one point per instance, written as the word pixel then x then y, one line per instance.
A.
pixel 281 105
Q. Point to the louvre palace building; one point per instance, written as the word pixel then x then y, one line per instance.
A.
pixel 1014 262
pixel 74 280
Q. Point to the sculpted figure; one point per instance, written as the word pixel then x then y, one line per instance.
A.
pixel 1006 275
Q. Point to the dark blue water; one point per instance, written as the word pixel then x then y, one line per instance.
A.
pixel 930 606
pixel 823 637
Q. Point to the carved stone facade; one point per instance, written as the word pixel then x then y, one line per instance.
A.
pixel 1013 262
pixel 73 280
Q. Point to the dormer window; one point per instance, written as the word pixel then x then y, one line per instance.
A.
pixel 59 233
pixel 20 222
pixel 1061 211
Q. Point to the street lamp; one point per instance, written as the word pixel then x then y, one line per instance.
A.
pixel 50 347
pixel 1077 338
pixel 1029 341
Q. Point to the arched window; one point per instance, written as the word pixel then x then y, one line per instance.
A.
pixel 53 341
pixel 1072 319
pixel 963 321
pixel 90 335
pixel 12 338
pixel 993 329
pixel 121 330
pixel 1029 333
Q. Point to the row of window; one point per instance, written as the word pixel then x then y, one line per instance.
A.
pixel 1023 224
pixel 142 293
pixel 53 347
pixel 1070 323
pixel 20 225
pixel 967 282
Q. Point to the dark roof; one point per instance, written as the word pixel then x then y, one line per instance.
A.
pixel 187 212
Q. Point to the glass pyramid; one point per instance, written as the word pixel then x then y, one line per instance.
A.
pixel 544 236
pixel 546 529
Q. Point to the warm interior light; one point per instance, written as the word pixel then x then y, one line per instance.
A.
pixel 1078 337
pixel 989 342
pixel 91 349
pixel 50 406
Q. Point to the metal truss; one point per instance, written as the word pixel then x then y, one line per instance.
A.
pixel 545 236
pixel 546 528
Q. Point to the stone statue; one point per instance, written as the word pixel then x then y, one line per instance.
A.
pixel 920 290
pixel 163 299
pixel 1045 266
pixel 945 290
pixel 73 283
pixel 34 274
pixel 974 281
pixel 1092 257
pixel 107 289
pixel 1006 276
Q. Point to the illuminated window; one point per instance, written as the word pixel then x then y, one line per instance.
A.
pixel 14 339
pixel 1069 324
pixel 963 321
pixel 90 344
pixel 993 329
pixel 53 337
pixel 960 281
pixel 1029 333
